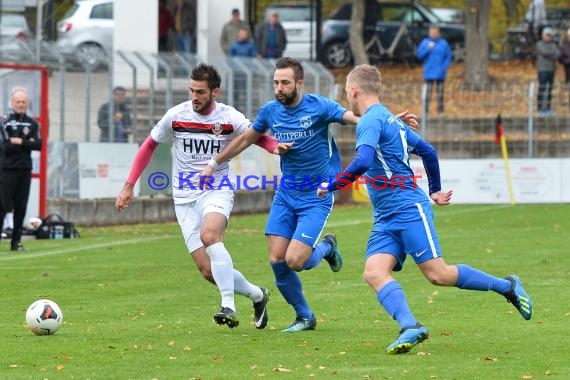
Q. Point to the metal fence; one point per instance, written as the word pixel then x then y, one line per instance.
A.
pixel 467 127
pixel 156 82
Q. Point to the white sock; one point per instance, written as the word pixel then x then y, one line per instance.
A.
pixel 245 288
pixel 222 268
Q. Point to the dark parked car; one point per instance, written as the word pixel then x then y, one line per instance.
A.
pixel 450 15
pixel 392 30
pixel 558 18
pixel 519 43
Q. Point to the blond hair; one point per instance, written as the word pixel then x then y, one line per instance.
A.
pixel 367 78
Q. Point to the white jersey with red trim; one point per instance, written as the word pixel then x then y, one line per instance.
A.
pixel 198 138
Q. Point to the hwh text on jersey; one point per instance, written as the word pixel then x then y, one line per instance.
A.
pixel 201 146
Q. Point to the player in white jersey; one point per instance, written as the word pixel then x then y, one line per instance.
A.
pixel 201 128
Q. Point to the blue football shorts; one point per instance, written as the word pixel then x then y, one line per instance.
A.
pixel 299 215
pixel 410 232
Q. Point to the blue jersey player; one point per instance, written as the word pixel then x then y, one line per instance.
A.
pixel 297 216
pixel 403 217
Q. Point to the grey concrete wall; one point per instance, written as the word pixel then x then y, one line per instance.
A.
pixel 102 212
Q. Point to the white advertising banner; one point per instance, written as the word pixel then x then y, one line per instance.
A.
pixel 484 180
pixel 104 168
pixel 565 180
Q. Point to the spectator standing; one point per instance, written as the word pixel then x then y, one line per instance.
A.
pixel 243 46
pixel 547 53
pixel 230 31
pixel 184 26
pixel 535 18
pixel 271 39
pixel 565 59
pixel 165 23
pixel 435 53
pixel 121 117
pixel 19 135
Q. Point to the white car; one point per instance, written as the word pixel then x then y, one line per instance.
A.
pixel 296 20
pixel 87 30
pixel 14 32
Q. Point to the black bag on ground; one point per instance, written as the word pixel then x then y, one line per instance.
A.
pixel 55 227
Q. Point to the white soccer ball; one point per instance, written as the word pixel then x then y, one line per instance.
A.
pixel 44 317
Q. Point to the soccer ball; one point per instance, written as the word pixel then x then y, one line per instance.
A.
pixel 44 317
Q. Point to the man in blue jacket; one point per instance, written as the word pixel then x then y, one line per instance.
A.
pixel 435 53
pixel 243 46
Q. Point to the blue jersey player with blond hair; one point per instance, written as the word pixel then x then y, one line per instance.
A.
pixel 402 212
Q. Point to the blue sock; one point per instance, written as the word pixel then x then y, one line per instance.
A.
pixel 392 298
pixel 473 279
pixel 321 250
pixel 290 286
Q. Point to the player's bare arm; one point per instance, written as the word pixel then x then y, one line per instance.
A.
pixel 442 198
pixel 322 189
pixel 410 119
pixel 350 118
pixel 124 197
pixel 238 145
pixel 271 145
pixel 283 148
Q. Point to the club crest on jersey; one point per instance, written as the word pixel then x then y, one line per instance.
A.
pixel 217 128
pixel 26 131
pixel 306 121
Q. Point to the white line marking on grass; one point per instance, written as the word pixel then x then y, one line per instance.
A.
pixel 452 211
pixel 351 222
pixel 471 210
pixel 31 255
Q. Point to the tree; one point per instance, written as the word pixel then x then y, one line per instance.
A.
pixel 477 42
pixel 357 31
pixel 512 11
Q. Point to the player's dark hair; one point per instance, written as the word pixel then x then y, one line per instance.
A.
pixel 208 73
pixel 287 62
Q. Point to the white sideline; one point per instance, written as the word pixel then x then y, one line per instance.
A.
pixel 20 256
pixel 355 222
pixel 31 255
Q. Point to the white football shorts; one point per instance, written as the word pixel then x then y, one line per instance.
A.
pixel 191 215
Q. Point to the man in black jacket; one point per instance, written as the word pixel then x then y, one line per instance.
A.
pixel 19 134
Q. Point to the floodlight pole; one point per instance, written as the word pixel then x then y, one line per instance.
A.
pixel 39 26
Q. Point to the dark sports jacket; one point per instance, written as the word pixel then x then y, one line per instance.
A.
pixel 15 156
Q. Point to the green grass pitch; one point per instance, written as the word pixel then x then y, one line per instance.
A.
pixel 135 307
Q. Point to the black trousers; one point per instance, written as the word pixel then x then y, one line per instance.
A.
pixel 14 193
pixel 567 73
pixel 440 89
pixel 544 94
